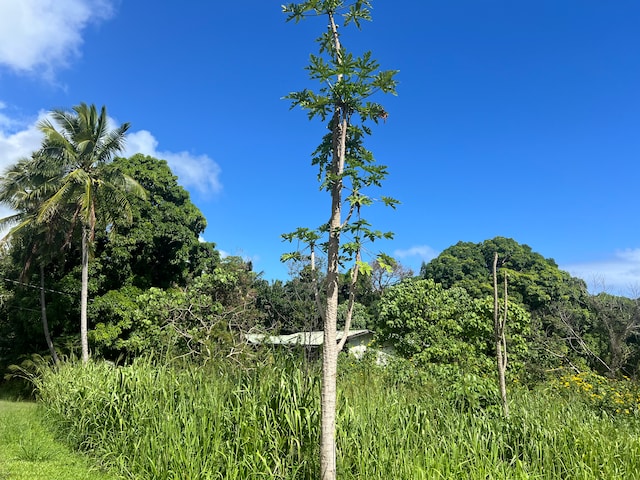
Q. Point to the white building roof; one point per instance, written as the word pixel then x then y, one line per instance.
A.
pixel 310 339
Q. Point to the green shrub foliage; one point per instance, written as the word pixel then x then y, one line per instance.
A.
pixel 431 324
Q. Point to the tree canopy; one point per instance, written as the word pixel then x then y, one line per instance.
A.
pixel 534 281
pixel 161 246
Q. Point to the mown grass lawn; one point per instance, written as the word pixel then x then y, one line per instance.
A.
pixel 29 452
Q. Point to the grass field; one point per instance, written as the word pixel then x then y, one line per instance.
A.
pixel 226 422
pixel 28 451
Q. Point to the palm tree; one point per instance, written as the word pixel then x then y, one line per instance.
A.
pixel 89 187
pixel 22 188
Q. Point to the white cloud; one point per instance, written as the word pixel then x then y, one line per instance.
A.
pixel 196 171
pixel 17 139
pixel 43 35
pixel 423 252
pixel 618 274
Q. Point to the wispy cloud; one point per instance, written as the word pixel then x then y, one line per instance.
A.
pixel 422 252
pixel 41 36
pixel 20 138
pixel 196 171
pixel 618 274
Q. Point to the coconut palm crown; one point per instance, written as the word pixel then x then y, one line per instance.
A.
pixel 79 145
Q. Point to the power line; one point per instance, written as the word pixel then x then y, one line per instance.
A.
pixel 36 287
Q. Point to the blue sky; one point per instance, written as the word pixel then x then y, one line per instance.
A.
pixel 519 119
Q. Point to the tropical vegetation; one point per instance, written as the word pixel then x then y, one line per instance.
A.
pixel 131 333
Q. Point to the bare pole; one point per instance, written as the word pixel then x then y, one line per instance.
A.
pixel 499 322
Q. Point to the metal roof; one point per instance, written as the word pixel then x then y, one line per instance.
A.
pixel 311 339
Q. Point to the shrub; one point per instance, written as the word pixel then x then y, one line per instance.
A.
pixel 615 397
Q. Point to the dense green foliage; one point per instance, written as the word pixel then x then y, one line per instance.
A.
pixel 155 260
pixel 534 281
pixel 161 247
pixel 431 324
pixel 202 320
pixel 568 327
pixel 395 422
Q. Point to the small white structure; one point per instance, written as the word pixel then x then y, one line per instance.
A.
pixel 357 340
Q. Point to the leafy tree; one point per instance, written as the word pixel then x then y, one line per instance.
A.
pixel 347 83
pixel 569 327
pixel 431 324
pixel 534 281
pixel 201 320
pixel 94 194
pixel 161 246
pixel 463 265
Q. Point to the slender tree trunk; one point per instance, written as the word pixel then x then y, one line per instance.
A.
pixel 45 322
pixel 500 340
pixel 329 387
pixel 330 347
pixel 503 357
pixel 84 295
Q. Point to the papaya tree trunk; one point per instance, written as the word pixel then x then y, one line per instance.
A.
pixel 330 348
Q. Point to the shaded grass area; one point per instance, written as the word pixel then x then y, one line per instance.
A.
pixel 223 421
pixel 28 451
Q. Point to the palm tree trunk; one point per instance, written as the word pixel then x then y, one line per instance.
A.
pixel 84 295
pixel 45 322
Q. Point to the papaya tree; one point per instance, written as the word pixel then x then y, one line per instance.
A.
pixel 344 100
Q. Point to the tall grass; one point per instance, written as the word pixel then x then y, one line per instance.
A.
pixel 162 422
